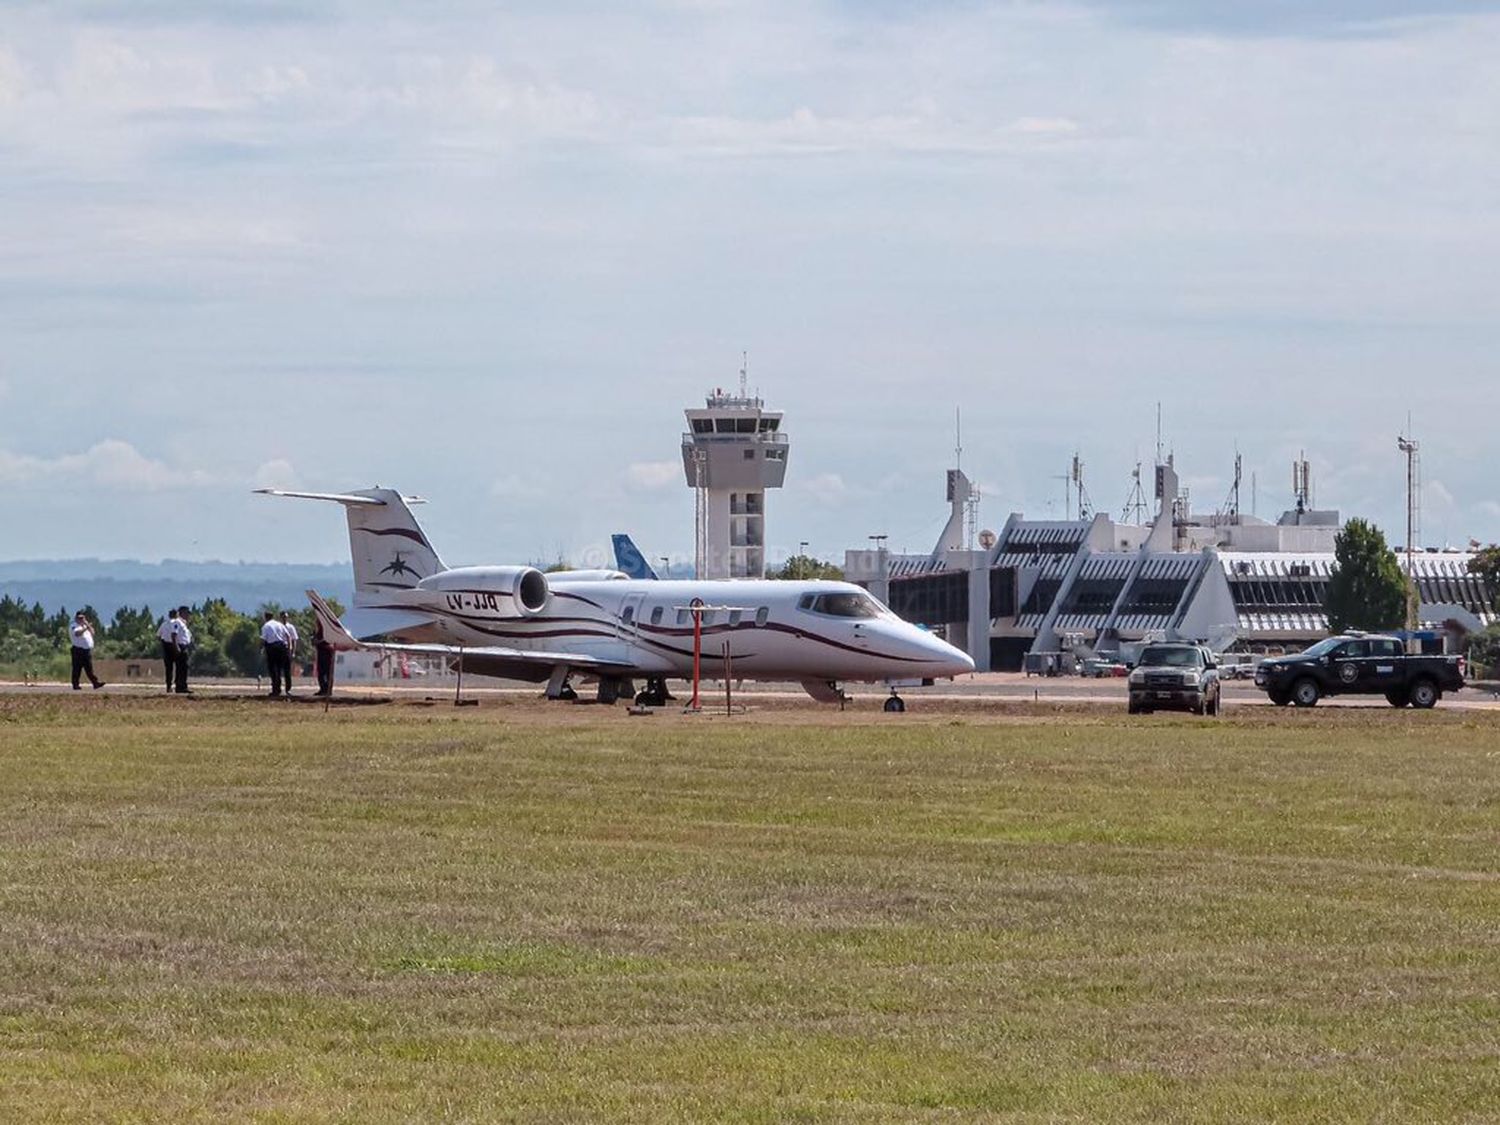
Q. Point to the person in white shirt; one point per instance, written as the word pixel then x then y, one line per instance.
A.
pixel 273 640
pixel 167 635
pixel 184 639
pixel 292 638
pixel 83 651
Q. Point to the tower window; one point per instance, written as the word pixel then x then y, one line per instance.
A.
pixel 749 455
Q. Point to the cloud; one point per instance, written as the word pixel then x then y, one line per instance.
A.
pixel 1489 508
pixel 513 486
pixel 653 476
pixel 1285 18
pixel 111 464
pixel 827 488
pixel 277 473
pixel 808 133
pixel 1436 495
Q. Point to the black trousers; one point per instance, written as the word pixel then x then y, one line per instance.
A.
pixel 169 659
pixel 181 669
pixel 325 669
pixel 279 665
pixel 83 664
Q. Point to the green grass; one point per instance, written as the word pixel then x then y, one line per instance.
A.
pixel 222 910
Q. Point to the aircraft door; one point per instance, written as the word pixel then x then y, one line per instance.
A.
pixel 629 625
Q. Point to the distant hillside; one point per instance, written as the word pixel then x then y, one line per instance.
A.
pixel 107 584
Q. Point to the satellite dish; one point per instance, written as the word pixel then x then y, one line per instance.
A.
pixel 986 539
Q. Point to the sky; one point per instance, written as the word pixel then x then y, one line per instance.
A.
pixel 489 253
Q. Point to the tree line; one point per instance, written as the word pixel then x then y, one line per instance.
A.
pixel 225 641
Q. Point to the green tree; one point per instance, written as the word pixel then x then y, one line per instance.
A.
pixel 1367 590
pixel 1486 564
pixel 1484 651
pixel 801 568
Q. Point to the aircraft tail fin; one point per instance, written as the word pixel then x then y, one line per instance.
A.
pixel 629 560
pixel 329 624
pixel 389 549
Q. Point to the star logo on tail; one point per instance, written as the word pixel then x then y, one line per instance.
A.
pixel 398 568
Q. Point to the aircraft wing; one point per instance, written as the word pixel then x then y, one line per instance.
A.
pixel 524 663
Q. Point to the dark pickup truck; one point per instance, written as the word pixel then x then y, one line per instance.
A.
pixel 1359 666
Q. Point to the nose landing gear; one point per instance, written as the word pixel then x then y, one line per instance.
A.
pixel 895 705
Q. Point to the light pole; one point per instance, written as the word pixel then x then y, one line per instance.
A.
pixel 1410 447
pixel 666 566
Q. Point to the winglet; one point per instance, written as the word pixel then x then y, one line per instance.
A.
pixel 333 629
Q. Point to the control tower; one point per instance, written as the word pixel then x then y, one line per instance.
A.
pixel 733 451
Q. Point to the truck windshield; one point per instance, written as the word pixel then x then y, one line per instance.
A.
pixel 1171 658
pixel 1324 647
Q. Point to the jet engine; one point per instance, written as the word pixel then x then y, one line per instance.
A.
pixel 492 591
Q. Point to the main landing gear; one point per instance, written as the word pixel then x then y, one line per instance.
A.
pixel 895 705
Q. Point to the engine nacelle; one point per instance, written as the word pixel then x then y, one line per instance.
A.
pixel 504 591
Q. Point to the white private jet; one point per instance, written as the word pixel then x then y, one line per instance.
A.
pixel 518 623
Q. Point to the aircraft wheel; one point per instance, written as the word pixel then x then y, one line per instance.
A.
pixel 567 694
pixel 895 705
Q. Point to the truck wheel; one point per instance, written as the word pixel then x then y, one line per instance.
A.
pixel 1424 694
pixel 1278 698
pixel 1132 707
pixel 1396 699
pixel 1305 693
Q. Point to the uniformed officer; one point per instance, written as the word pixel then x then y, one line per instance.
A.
pixel 273 640
pixel 167 634
pixel 83 650
pixel 184 637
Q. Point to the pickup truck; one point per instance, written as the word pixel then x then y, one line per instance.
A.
pixel 1359 665
pixel 1174 677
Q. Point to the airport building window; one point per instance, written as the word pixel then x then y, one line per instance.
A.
pixel 1002 591
pixel 932 599
pixel 1043 594
pixel 1154 596
pixel 749 455
pixel 1093 595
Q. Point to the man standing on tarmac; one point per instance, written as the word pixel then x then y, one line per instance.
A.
pixel 184 638
pixel 273 639
pixel 167 635
pixel 292 638
pixel 83 650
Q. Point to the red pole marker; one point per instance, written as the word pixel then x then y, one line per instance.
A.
pixel 697 607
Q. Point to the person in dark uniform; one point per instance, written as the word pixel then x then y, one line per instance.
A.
pixel 324 652
pixel 167 634
pixel 278 658
pixel 184 642
pixel 83 651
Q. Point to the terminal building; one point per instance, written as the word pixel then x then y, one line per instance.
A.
pixel 1040 591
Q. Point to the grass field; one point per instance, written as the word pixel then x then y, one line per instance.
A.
pixel 218 910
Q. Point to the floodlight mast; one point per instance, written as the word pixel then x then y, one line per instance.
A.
pixel 1412 449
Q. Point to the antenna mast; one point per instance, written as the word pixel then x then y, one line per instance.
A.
pixel 1085 504
pixel 744 373
pixel 1135 503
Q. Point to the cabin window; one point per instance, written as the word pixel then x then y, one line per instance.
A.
pixel 656 615
pixel 682 617
pixel 724 425
pixel 708 617
pixel 744 425
pixel 628 615
pixel 762 615
pixel 735 616
pixel 806 601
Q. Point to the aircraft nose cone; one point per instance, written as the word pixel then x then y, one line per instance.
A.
pixel 942 658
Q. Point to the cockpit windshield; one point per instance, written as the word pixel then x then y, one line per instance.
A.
pixel 850 603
